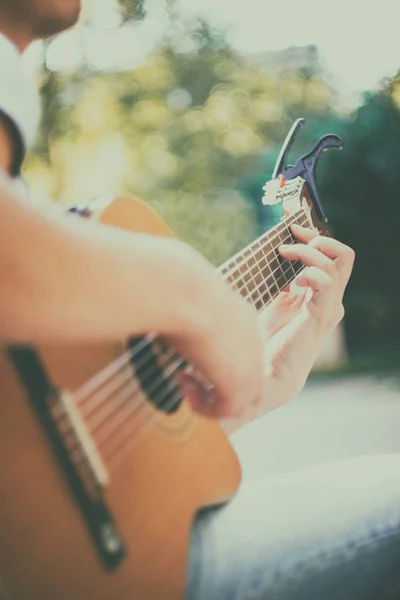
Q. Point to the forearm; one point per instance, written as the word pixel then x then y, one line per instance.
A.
pixel 68 279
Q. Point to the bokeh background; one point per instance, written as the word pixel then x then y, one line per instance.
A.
pixel 187 102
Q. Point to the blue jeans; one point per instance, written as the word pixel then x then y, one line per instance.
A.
pixel 330 532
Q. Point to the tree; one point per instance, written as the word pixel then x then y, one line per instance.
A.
pixel 361 186
pixel 185 131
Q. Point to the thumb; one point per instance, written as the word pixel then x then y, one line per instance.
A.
pixel 304 234
pixel 201 396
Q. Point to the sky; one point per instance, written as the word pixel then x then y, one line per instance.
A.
pixel 359 44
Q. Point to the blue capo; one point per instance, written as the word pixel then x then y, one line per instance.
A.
pixel 305 166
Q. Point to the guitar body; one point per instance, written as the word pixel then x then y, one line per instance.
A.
pixel 182 463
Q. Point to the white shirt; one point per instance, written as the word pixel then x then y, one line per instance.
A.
pixel 19 97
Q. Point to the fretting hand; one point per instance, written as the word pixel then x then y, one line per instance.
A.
pixel 294 327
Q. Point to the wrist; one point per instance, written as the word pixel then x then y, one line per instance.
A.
pixel 186 279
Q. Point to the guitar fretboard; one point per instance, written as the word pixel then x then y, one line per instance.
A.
pixel 259 272
pixel 150 365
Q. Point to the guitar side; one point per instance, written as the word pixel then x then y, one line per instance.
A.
pixel 180 465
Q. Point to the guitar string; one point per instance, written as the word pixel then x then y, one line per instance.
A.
pixel 90 403
pixel 120 418
pixel 61 416
pixel 180 362
pixel 155 378
pixel 88 388
pixel 125 371
pixel 131 409
pixel 124 404
pixel 131 425
pixel 132 386
pixel 131 440
pixel 263 240
pixel 128 387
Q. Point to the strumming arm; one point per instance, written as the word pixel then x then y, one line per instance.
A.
pixel 64 278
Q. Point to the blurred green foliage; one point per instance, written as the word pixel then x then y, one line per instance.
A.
pixel 361 191
pixel 132 9
pixel 196 130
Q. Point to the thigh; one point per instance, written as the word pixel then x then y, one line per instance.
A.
pixel 330 532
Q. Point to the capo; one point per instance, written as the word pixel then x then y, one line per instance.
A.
pixel 305 166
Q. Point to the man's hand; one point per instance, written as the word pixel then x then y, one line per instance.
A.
pixel 224 342
pixel 162 285
pixel 292 350
pixel 295 325
pixel 328 268
pixel 83 282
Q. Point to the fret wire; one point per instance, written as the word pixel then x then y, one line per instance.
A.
pixel 275 277
pixel 256 290
pixel 236 270
pixel 271 272
pixel 274 234
pixel 131 409
pixel 126 438
pixel 266 291
pixel 274 260
pixel 271 250
pixel 264 283
pixel 260 285
pixel 253 251
pixel 282 262
pixel 265 276
pixel 288 282
pixel 265 236
pixel 284 265
pixel 255 267
pixel 238 275
pixel 286 268
pixel 107 373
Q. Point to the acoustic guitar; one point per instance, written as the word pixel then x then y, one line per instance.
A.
pixel 103 463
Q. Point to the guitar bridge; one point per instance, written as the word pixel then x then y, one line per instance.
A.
pixel 86 489
pixel 84 440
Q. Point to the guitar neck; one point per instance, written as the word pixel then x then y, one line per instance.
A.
pixel 259 272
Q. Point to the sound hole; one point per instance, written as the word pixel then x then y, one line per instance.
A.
pixel 155 369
